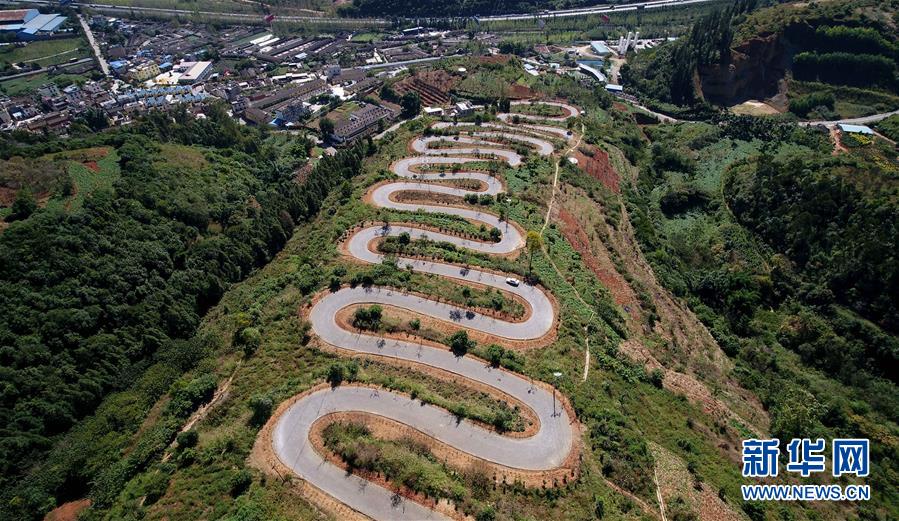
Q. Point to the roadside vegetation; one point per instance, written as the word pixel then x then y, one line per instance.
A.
pixel 733 226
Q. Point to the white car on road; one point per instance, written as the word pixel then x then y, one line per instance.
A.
pixel 512 282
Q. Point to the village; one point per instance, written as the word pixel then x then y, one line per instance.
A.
pixel 355 81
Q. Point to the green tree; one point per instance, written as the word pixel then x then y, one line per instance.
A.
pixel 796 415
pixel 23 206
pixel 187 439
pixel 533 243
pixel 250 338
pixel 495 354
pixel 459 343
pixel 336 374
pixel 599 509
pixel 368 318
pixel 387 93
pixel 95 119
pixel 411 104
pixel 240 482
pixel 657 377
pixel 326 126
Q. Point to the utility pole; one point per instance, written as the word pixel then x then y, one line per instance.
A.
pixel 556 376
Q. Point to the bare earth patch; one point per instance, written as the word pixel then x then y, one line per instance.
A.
pixel 68 511
pixel 92 166
pixel 675 481
pixel 754 108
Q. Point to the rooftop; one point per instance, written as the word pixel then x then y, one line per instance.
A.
pixel 17 15
pixel 856 129
pixel 600 48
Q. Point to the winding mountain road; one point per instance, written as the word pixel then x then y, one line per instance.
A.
pixel 553 441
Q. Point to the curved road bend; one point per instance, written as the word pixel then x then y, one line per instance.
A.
pixel 547 449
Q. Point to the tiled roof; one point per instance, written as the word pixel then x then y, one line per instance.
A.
pixel 15 15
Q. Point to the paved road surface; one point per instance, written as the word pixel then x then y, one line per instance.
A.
pixel 864 120
pixel 546 449
pixel 90 39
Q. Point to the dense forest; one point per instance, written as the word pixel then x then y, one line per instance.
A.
pixel 788 255
pixel 667 74
pixel 108 296
pixel 841 232
pixel 848 43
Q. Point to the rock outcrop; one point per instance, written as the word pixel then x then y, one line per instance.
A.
pixel 753 71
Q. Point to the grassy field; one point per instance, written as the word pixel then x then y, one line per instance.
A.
pixel 28 84
pixel 44 53
pixel 98 170
pixel 232 6
pixel 368 37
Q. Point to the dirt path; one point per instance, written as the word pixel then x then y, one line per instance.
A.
pixel 661 500
pixel 552 197
pixel 549 209
pixel 220 394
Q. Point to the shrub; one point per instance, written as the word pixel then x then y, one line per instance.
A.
pixel 335 374
pixel 459 343
pixel 187 439
pixel 249 338
pixel 261 405
pixel 804 104
pixel 154 486
pixel 495 354
pixel 340 371
pixel 186 397
pixel 368 318
pixel 23 206
pixel 486 514
pixel 656 378
pixel 240 482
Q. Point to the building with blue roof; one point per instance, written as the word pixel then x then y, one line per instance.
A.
pixel 30 24
pixel 600 48
pixel 15 19
pixel 856 129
